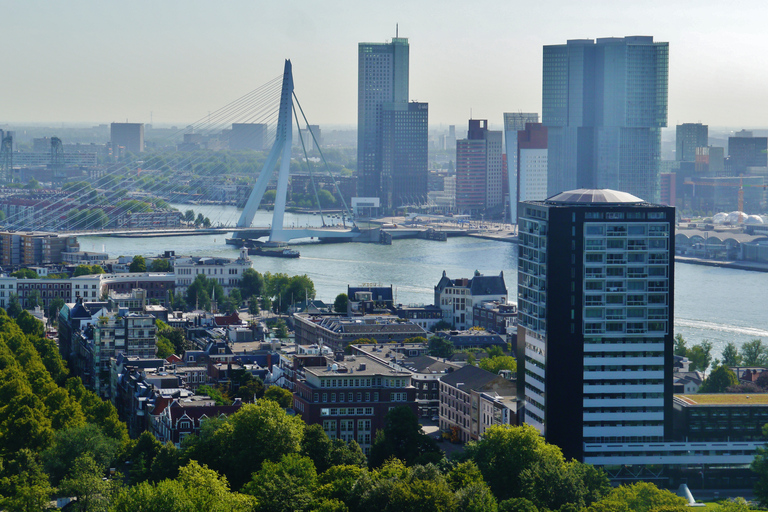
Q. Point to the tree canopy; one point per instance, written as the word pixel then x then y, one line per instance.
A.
pixel 139 264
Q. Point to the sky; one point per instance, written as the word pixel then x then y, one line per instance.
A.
pixel 173 61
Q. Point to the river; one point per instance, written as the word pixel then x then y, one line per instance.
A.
pixel 712 303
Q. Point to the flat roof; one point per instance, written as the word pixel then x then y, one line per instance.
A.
pixel 724 399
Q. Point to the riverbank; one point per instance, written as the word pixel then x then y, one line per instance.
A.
pixel 739 265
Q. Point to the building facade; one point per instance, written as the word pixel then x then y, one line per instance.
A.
pixel 513 123
pixel 689 137
pixel 595 318
pixel 472 399
pixel 404 160
pixel 457 297
pixel 532 163
pixel 604 104
pixel 746 151
pixel 350 397
pixel 382 77
pixel 479 169
pixel 127 135
pixel 247 136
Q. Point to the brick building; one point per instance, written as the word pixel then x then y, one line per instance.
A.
pixel 349 396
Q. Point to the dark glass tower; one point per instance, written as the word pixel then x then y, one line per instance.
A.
pixel 595 321
pixel 404 159
pixel 382 78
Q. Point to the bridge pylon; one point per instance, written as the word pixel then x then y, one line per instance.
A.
pixel 280 149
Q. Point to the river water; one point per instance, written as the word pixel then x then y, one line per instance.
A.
pixel 712 303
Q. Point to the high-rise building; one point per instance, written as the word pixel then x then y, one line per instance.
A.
pixel 746 151
pixel 382 77
pixel 595 320
pixel 247 136
pixel 311 136
pixel 688 137
pixel 605 103
pixel 513 123
pixel 478 169
pixel 532 163
pixel 404 159
pixel 127 135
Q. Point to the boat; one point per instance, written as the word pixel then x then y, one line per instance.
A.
pixel 274 253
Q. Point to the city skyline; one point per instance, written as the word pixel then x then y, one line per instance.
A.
pixel 86 62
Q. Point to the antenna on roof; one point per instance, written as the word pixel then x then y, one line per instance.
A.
pixel 397 30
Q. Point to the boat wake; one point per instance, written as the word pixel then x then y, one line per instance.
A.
pixel 723 328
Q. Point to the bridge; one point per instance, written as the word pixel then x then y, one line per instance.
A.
pixel 55 213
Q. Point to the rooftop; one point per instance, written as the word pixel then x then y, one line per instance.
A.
pixel 592 195
pixel 724 399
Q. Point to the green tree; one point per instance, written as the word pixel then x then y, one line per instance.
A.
pixel 202 290
pixel 395 487
pixel 262 431
pixel 160 265
pixel 730 355
pixel 251 283
pixel 26 487
pixel 237 297
pixel 341 302
pixel 442 325
pixel 754 353
pixel 281 330
pixel 54 307
pixel 33 299
pixel 638 497
pixel 403 439
pixel 284 486
pixel 476 497
pixel 285 290
pixel 680 347
pixel 505 452
pixel 74 443
pixel 175 336
pixel 281 396
pixel 700 356
pixel 14 306
pixel 30 325
pixel 189 216
pixel 517 505
pixel 164 348
pixel 85 270
pixel 251 388
pixel 440 347
pixel 498 363
pixel 213 393
pixel 253 305
pixel 85 482
pixel 197 489
pixel 143 455
pixel 139 264
pixel 25 273
pixel 463 475
pixel 720 379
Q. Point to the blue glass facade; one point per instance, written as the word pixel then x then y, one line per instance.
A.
pixel 604 104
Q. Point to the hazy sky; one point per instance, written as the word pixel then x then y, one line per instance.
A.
pixel 105 61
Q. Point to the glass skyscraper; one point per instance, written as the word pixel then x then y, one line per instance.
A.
pixel 604 104
pixel 382 78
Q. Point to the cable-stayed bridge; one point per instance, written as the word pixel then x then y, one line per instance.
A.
pixel 116 191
